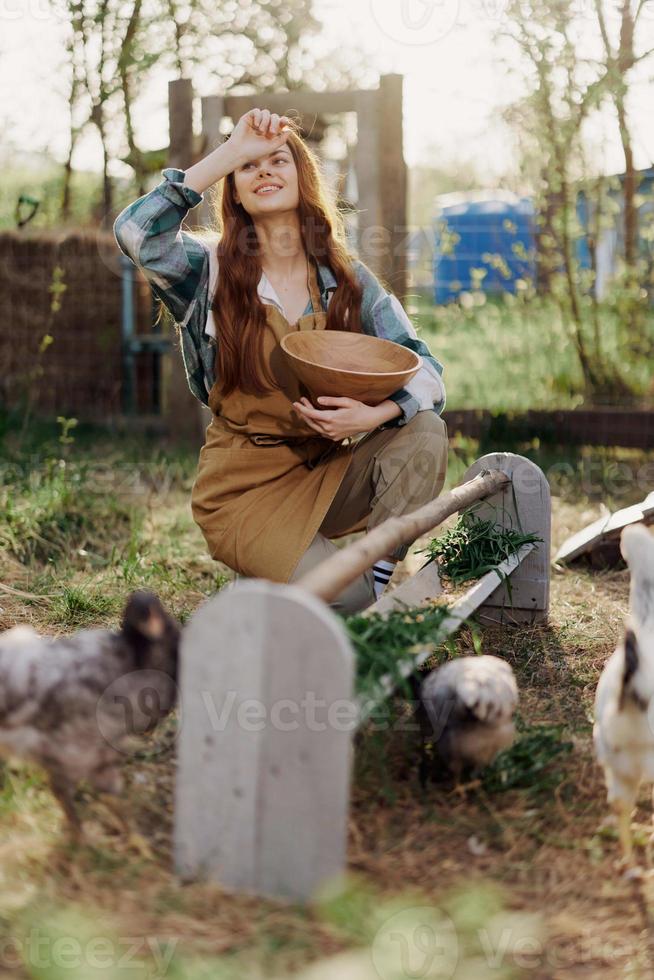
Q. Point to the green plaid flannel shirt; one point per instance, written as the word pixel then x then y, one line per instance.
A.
pixel 176 264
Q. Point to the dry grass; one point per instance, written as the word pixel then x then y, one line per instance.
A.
pixel 534 851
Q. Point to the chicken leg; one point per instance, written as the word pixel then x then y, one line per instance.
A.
pixel 63 791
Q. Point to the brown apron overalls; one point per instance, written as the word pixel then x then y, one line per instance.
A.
pixel 265 478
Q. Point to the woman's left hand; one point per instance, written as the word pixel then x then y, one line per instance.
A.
pixel 347 417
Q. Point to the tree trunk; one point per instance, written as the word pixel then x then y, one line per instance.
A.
pixel 630 217
pixel 124 63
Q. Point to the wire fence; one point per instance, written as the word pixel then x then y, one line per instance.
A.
pixel 61 344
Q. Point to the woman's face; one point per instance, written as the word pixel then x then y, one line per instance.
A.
pixel 276 171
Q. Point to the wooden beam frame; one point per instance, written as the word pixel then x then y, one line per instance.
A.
pixel 380 168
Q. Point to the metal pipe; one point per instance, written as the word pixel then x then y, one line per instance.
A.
pixel 128 331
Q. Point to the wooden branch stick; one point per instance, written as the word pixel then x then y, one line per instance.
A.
pixel 327 580
pixel 10 590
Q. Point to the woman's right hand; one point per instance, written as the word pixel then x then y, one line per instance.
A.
pixel 258 132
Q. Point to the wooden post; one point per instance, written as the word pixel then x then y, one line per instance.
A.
pixel 181 410
pixel 382 183
pixel 213 111
pixel 180 122
pixel 372 237
pixel 393 182
pixel 267 713
pixel 523 504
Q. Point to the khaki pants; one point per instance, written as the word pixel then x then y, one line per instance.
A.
pixel 393 471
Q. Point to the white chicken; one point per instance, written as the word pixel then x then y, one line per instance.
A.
pixel 467 711
pixel 624 701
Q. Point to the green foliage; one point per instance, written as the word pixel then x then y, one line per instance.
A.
pixel 56 289
pixel 66 425
pixel 45 182
pixel 561 95
pixel 54 507
pixel 516 352
pixel 528 763
pixel 77 514
pixel 474 546
pixel 381 643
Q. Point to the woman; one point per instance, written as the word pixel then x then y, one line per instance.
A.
pixel 276 477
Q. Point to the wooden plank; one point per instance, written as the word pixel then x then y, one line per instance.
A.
pixel 523 504
pixel 644 511
pixel 589 427
pixel 461 610
pixel 180 408
pixel 264 752
pixel 299 100
pixel 180 123
pixel 414 591
pixel 607 527
pixel 213 112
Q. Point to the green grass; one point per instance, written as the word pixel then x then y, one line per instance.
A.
pixel 513 354
pixel 86 523
pixel 55 508
pixel 75 606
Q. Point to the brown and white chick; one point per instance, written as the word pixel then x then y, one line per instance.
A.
pixel 70 703
pixel 623 732
pixel 467 711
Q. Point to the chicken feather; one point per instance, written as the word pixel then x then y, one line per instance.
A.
pixel 623 732
pixel 467 710
pixel 70 703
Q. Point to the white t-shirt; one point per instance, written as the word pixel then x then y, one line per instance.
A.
pixel 265 289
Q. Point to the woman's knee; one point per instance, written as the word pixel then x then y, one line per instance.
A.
pixel 430 445
pixel 411 469
pixel 427 422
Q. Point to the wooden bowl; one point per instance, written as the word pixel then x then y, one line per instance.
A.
pixel 349 365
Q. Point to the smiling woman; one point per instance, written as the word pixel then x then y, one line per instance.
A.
pixel 279 477
pixel 270 185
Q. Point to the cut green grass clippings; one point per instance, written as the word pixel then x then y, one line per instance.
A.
pixel 528 763
pixel 382 642
pixel 474 547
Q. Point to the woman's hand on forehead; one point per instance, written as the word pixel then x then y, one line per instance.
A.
pixel 267 123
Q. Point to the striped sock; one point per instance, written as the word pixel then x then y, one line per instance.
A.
pixel 382 571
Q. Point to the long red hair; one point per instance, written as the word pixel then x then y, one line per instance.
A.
pixel 239 313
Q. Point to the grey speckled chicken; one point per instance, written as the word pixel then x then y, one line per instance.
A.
pixel 467 708
pixel 69 703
